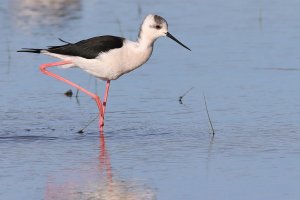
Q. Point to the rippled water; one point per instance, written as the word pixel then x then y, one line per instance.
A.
pixel 245 59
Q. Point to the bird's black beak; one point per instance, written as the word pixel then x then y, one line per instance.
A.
pixel 173 38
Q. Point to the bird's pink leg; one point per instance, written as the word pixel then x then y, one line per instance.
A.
pixel 106 95
pixel 101 106
pixel 104 105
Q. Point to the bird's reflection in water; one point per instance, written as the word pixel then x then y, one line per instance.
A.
pixel 100 184
pixel 40 13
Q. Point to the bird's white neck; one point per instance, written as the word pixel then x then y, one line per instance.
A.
pixel 146 41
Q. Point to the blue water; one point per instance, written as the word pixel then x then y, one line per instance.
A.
pixel 244 59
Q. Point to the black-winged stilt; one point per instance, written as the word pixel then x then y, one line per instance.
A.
pixel 106 57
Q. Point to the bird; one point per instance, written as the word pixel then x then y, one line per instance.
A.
pixel 106 57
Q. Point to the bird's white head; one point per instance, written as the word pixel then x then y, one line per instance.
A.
pixel 155 26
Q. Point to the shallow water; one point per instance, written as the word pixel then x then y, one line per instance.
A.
pixel 245 59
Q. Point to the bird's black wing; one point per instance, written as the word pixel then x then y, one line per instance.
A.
pixel 89 48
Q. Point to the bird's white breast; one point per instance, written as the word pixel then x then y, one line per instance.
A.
pixel 114 63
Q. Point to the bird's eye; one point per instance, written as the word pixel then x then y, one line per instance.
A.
pixel 158 27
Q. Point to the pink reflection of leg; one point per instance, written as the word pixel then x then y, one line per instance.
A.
pixel 104 159
pixel 100 106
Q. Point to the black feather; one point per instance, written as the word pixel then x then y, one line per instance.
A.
pixel 88 49
pixel 64 41
pixel 59 45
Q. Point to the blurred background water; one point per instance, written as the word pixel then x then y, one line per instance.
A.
pixel 245 59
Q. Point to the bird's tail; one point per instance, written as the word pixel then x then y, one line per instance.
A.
pixel 30 50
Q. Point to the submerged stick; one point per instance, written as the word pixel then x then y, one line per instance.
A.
pixel 8 56
pixel 82 130
pixel 211 125
pixel 120 26
pixel 139 6
pixel 181 97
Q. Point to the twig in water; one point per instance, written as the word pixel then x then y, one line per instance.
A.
pixel 181 97
pixel 139 8
pixel 8 56
pixel 211 125
pixel 82 130
pixel 120 26
pixel 77 99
